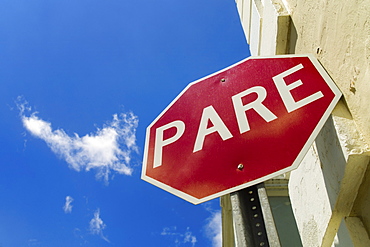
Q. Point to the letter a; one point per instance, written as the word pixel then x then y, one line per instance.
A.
pixel 209 113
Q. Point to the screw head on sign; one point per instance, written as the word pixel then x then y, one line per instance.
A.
pixel 240 166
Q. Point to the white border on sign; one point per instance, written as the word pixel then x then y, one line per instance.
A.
pixel 296 162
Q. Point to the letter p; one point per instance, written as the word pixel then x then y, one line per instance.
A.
pixel 160 143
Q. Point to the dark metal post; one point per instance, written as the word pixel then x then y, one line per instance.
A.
pixel 253 221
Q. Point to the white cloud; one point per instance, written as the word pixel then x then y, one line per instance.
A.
pixel 97 225
pixel 68 206
pixel 189 238
pixel 34 242
pixel 180 238
pixel 108 149
pixel 214 229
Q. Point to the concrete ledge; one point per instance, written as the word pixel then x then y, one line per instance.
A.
pixel 271 22
pixel 357 231
pixel 325 186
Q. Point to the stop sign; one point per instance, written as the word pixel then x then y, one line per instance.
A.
pixel 238 127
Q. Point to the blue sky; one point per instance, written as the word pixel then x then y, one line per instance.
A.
pixel 79 83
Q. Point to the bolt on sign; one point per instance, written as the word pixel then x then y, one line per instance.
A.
pixel 238 127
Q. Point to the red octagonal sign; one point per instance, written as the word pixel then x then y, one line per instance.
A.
pixel 238 127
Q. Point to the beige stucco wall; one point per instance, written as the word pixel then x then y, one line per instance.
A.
pixel 338 32
pixel 330 191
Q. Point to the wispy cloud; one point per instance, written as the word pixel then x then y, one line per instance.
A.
pixel 34 242
pixel 108 149
pixel 179 237
pixel 97 225
pixel 68 206
pixel 214 229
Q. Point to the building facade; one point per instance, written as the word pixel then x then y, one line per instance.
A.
pixel 329 193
